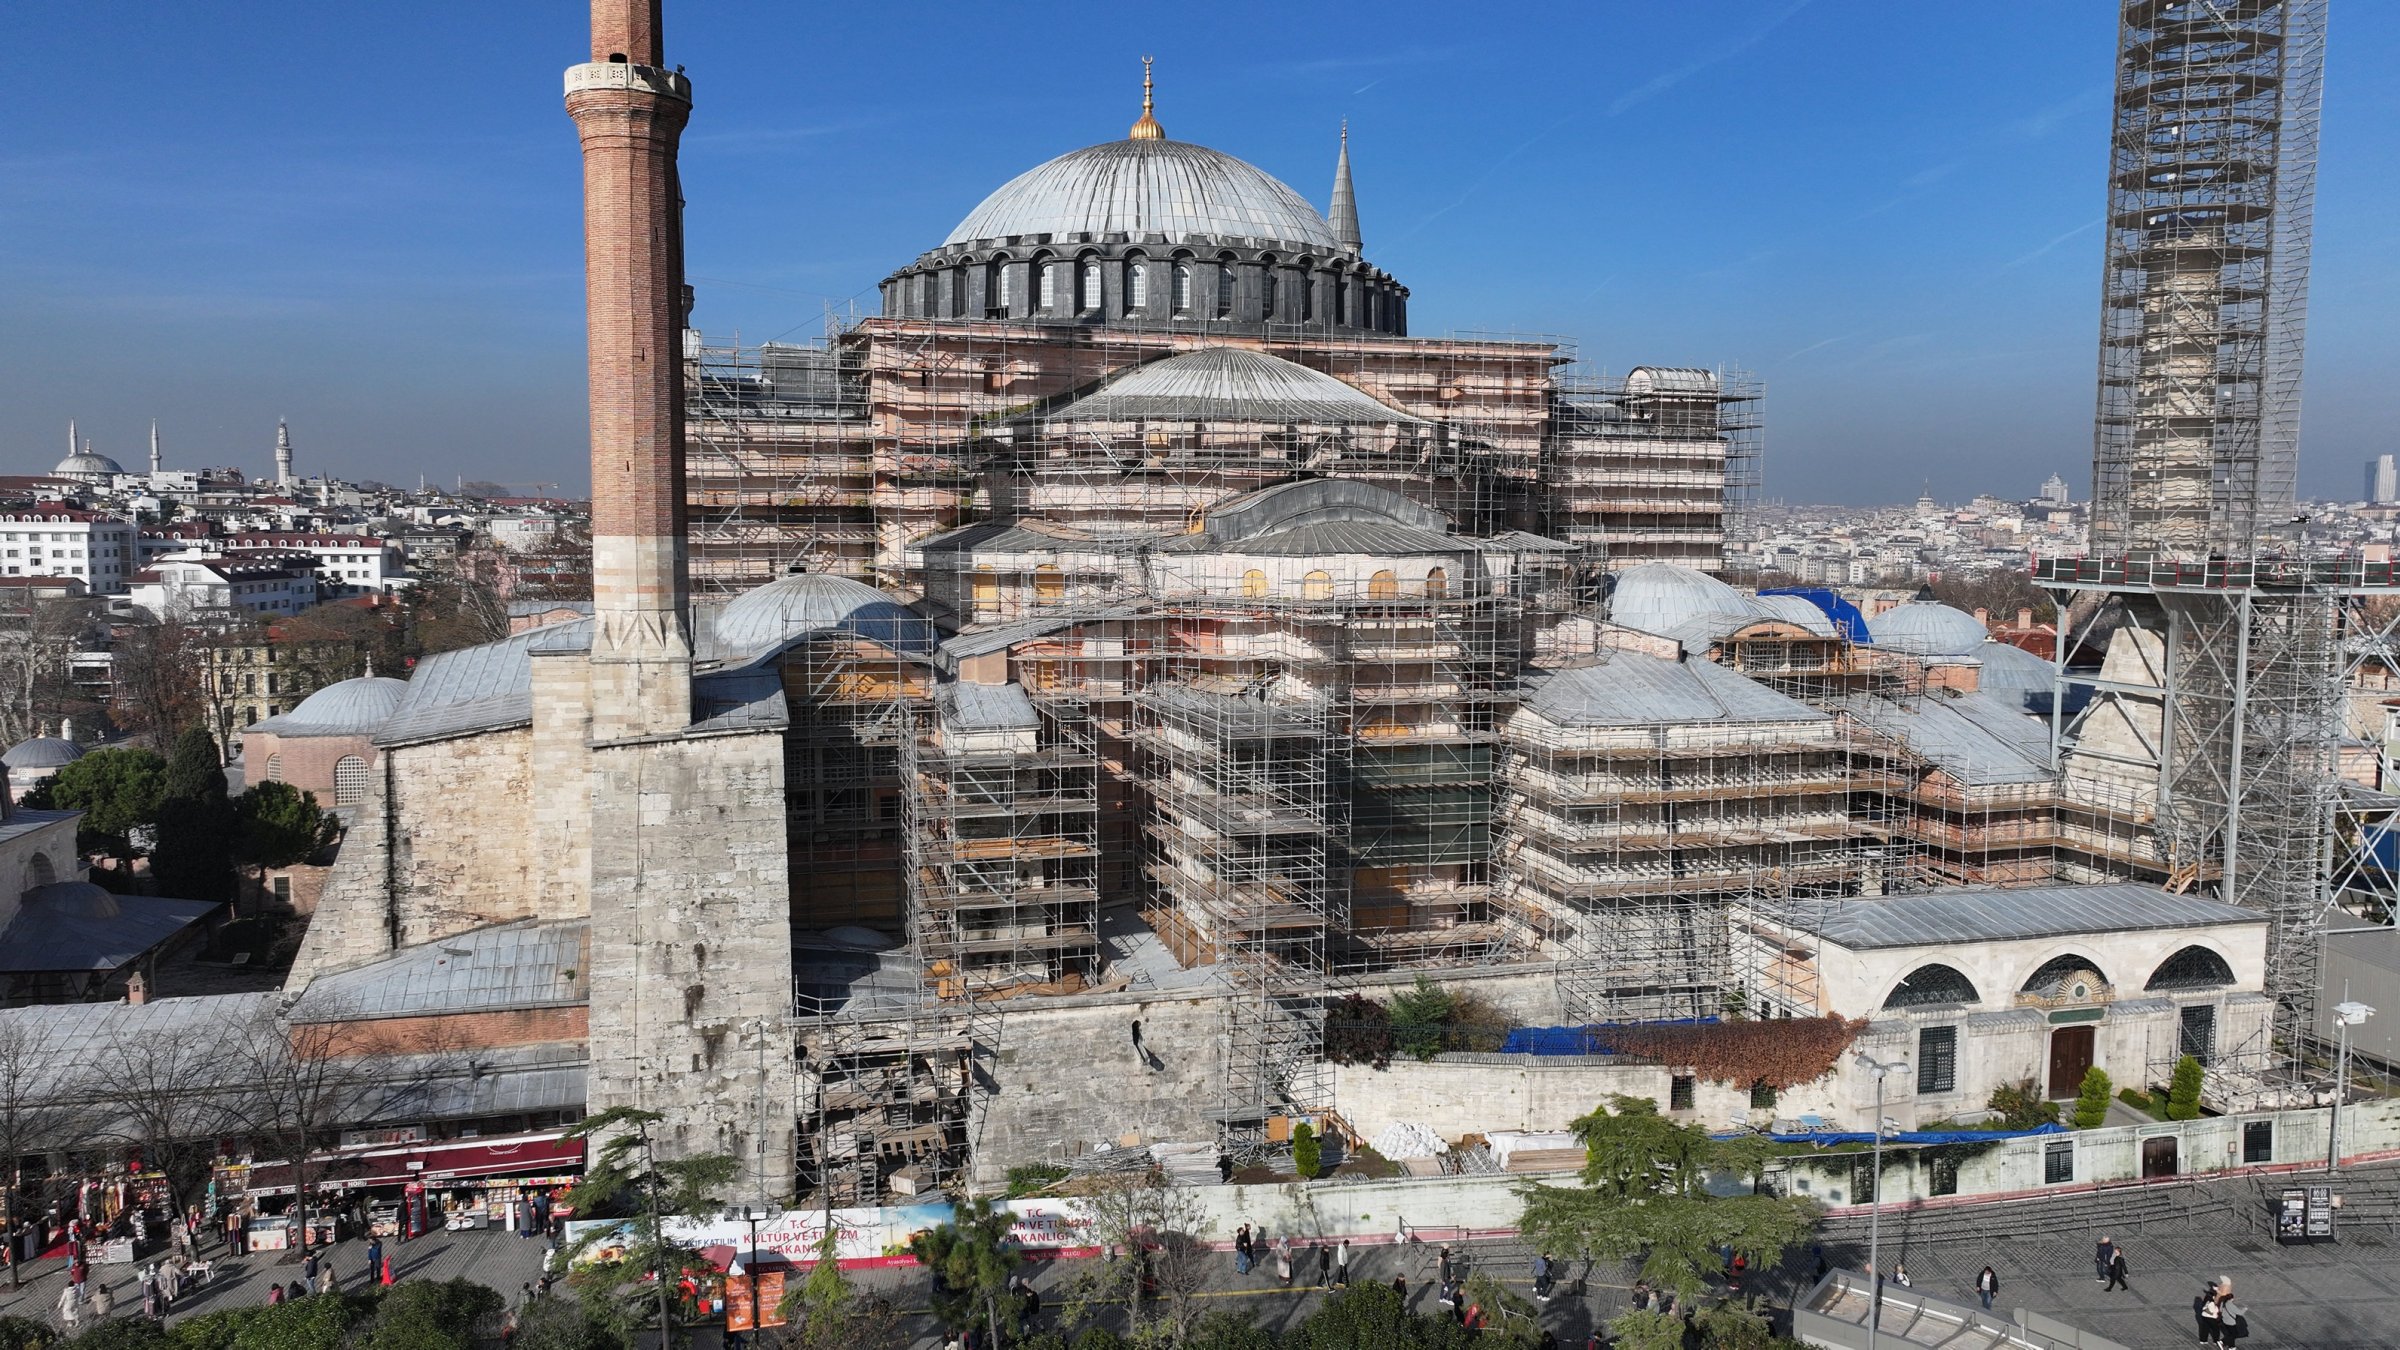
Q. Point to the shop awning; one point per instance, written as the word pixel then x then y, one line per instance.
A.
pixel 433 1163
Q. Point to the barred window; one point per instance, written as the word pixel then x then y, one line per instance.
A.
pixel 1937 1059
pixel 1679 1092
pixel 349 781
pixel 2058 1163
pixel 1762 1097
pixel 1932 985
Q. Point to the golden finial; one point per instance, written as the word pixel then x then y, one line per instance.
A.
pixel 1148 128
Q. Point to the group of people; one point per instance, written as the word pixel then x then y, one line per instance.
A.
pixel 1333 1262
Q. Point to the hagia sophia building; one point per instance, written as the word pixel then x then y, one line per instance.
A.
pixel 1005 728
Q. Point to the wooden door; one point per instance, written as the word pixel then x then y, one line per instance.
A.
pixel 2070 1058
pixel 2158 1157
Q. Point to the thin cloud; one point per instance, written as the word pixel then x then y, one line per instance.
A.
pixel 1661 83
pixel 1819 345
pixel 2085 228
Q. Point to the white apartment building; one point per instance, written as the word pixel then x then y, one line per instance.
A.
pixel 347 564
pixel 65 541
pixel 197 587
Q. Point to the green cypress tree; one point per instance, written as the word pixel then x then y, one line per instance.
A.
pixel 193 858
pixel 2091 1099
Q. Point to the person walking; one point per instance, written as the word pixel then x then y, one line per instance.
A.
pixel 2100 1259
pixel 2117 1270
pixel 374 1255
pixel 2212 1315
pixel 1341 1263
pixel 1442 1267
pixel 1325 1265
pixel 1986 1285
pixel 327 1281
pixel 1244 1254
pixel 149 1288
pixel 1541 1276
pixel 1283 1258
pixel 104 1302
pixel 70 1308
pixel 1900 1273
pixel 308 1269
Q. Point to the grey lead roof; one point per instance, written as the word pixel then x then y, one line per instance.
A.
pixel 1975 738
pixel 77 926
pixel 1320 538
pixel 985 707
pixel 1979 914
pixel 1000 637
pixel 1171 188
pixel 1631 688
pixel 1232 384
pixel 478 688
pixel 516 965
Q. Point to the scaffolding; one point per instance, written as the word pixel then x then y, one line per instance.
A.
pixel 1002 830
pixel 2212 175
pixel 852 703
pixel 776 469
pixel 1657 466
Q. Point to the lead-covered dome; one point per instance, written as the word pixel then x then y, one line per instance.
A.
pixel 42 752
pixel 1927 628
pixel 85 464
pixel 1140 187
pixel 788 609
pixel 355 707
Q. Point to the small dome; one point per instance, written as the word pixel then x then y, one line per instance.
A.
pixel 42 752
pixel 1138 187
pixel 1928 628
pixel 344 708
pixel 84 462
pixel 75 900
pixel 790 608
pixel 2017 677
pixel 1662 597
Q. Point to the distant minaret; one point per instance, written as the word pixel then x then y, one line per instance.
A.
pixel 155 461
pixel 74 442
pixel 283 453
pixel 1345 202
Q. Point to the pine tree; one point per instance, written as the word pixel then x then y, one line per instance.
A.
pixel 2091 1099
pixel 2183 1093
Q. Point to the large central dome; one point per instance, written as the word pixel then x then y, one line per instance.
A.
pixel 1138 187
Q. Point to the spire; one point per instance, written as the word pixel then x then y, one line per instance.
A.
pixel 154 459
pixel 1148 128
pixel 1344 215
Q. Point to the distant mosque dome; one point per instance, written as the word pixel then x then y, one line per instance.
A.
pixel 1928 628
pixel 356 707
pixel 40 756
pixel 804 604
pixel 83 464
pixel 1137 187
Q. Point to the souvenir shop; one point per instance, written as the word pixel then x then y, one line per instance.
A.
pixel 399 1184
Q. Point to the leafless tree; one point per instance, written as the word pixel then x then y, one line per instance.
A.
pixel 44 1107
pixel 1155 1250
pixel 165 1092
pixel 303 1081
pixel 161 679
pixel 38 640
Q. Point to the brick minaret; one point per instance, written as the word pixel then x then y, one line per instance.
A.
pixel 629 110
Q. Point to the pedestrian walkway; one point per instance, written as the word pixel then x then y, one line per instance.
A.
pixel 502 1260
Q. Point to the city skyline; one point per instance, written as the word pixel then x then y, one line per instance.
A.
pixel 400 278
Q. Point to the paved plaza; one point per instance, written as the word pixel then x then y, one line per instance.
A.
pixel 2343 1295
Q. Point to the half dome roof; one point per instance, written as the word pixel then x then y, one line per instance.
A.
pixel 1927 628
pixel 1232 384
pixel 1137 187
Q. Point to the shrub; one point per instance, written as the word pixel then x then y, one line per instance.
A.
pixel 561 1324
pixel 2021 1106
pixel 1476 1023
pixel 1640 1330
pixel 24 1333
pixel 1358 1030
pixel 319 1322
pixel 2091 1099
pixel 2139 1101
pixel 1307 1153
pixel 430 1315
pixel 1419 1013
pixel 123 1333
pixel 1027 1178
pixel 2183 1091
pixel 216 1330
pixel 1734 1325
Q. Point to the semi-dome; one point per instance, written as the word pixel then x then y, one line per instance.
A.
pixel 344 708
pixel 1927 628
pixel 806 603
pixel 1231 384
pixel 74 900
pixel 85 464
pixel 1137 187
pixel 42 752
pixel 1663 598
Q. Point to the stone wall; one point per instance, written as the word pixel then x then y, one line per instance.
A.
pixel 691 946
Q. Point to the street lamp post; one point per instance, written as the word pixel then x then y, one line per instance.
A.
pixel 1881 1069
pixel 2346 1015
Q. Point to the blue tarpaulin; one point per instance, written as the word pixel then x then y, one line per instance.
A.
pixel 1831 1137
pixel 1847 620
pixel 1589 1040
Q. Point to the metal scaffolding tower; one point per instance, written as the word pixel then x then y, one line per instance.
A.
pixel 2212 173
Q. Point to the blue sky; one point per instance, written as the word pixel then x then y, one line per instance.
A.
pixel 366 216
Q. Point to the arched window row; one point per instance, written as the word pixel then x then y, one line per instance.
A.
pixel 1136 286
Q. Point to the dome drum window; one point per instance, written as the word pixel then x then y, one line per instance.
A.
pixel 1183 288
pixel 1137 286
